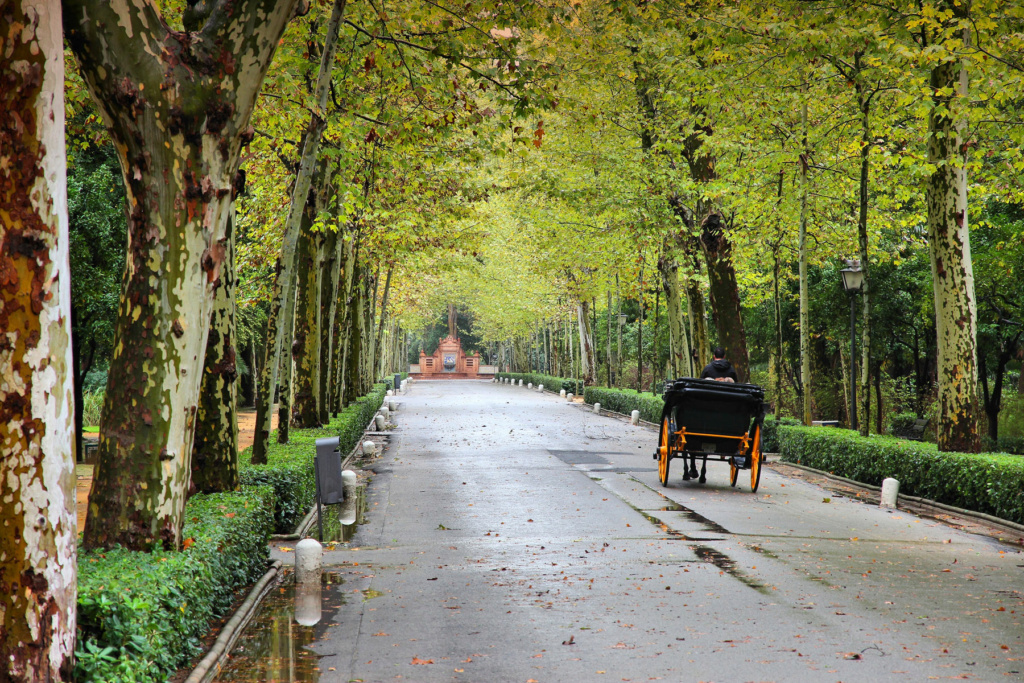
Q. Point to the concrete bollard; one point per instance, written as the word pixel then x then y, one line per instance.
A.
pixel 393 406
pixel 597 408
pixel 520 382
pixel 634 417
pixel 390 393
pixel 309 560
pixel 385 412
pixel 890 493
pixel 349 483
pixel 569 397
pixel 562 393
pixel 369 448
pixel 529 385
pixel 308 610
pixel 379 421
pixel 540 388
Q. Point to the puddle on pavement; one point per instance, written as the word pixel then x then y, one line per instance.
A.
pixel 275 644
pixel 341 521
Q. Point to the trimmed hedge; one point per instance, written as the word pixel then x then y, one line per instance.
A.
pixel 770 431
pixel 289 468
pixel 389 380
pixel 625 401
pixel 141 615
pixel 550 382
pixel 989 483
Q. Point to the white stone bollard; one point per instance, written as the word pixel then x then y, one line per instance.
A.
pixel 392 406
pixel 308 610
pixel 569 397
pixel 634 417
pixel 385 412
pixel 562 393
pixel 390 393
pixel 520 382
pixel 597 408
pixel 349 483
pixel 379 421
pixel 369 448
pixel 529 385
pixel 309 559
pixel 540 388
pixel 890 493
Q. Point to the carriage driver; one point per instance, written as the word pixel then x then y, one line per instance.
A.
pixel 720 369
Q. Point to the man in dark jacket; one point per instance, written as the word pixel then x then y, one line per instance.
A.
pixel 720 369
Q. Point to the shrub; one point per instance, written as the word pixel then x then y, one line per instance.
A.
pixel 625 401
pixel 770 432
pixel 550 382
pixel 92 406
pixel 141 615
pixel 389 380
pixel 989 483
pixel 289 467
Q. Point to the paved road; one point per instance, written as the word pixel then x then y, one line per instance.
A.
pixel 512 536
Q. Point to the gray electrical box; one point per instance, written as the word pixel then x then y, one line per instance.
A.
pixel 398 383
pixel 329 488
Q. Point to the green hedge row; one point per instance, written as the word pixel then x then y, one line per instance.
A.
pixel 770 431
pixel 141 615
pixel 550 382
pixel 389 380
pixel 289 468
pixel 625 401
pixel 989 483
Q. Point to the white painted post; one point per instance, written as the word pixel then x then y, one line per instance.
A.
pixel 385 412
pixel 390 393
pixel 569 397
pixel 308 610
pixel 562 393
pixel 890 493
pixel 392 406
pixel 379 421
pixel 349 483
pixel 540 388
pixel 309 559
pixel 520 382
pixel 369 448
pixel 634 417
pixel 529 385
pixel 597 408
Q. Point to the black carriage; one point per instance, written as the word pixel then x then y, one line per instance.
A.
pixel 718 421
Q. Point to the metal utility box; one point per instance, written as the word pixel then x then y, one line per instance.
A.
pixel 329 486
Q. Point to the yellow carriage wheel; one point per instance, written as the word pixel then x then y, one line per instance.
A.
pixel 734 473
pixel 664 450
pixel 755 461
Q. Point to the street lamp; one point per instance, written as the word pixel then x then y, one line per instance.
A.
pixel 853 280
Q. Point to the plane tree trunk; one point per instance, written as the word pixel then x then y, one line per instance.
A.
pixel 177 105
pixel 38 550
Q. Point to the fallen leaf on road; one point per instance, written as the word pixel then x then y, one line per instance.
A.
pixel 382 634
pixel 851 655
pixel 571 641
pixel 417 660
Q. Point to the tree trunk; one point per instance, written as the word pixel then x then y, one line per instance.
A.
pixel 383 320
pixel 284 284
pixel 780 360
pixel 587 363
pixel 177 105
pixel 367 362
pixel 701 347
pixel 306 344
pixel 805 331
pixel 952 271
pixel 725 294
pixel 268 379
pixel 38 548
pixel 286 388
pixel 215 448
pixel 867 139
pixel 617 377
pixel 345 313
pixel 353 362
pixel 679 348
pixel 328 329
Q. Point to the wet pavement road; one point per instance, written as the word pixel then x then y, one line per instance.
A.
pixel 512 536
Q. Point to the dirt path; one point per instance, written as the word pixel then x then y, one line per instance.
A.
pixel 83 473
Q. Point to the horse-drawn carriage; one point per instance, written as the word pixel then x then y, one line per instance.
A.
pixel 711 420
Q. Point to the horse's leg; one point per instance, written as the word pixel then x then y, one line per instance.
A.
pixel 686 470
pixel 693 467
pixel 703 470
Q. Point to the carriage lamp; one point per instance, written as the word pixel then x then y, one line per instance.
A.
pixel 853 281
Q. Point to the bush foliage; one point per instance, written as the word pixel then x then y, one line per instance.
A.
pixel 141 615
pixel 289 468
pixel 625 401
pixel 770 432
pixel 550 382
pixel 989 483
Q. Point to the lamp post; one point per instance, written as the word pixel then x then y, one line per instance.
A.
pixel 853 280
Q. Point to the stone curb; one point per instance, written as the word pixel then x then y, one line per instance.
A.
pixel 209 666
pixel 970 514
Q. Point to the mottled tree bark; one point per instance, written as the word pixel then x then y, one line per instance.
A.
pixel 588 365
pixel 367 362
pixel 355 341
pixel 306 343
pixel 345 314
pixel 952 271
pixel 679 358
pixel 177 105
pixel 725 294
pixel 379 351
pixel 805 332
pixel 215 448
pixel 287 374
pixel 38 551
pixel 330 248
pixel 267 386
